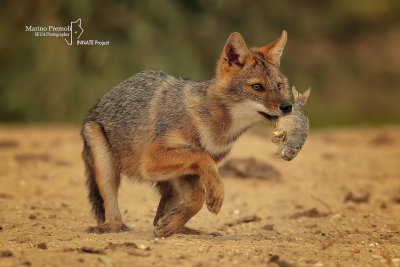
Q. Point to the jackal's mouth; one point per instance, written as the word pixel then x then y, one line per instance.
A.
pixel 269 117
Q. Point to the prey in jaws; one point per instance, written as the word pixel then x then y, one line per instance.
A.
pixel 291 131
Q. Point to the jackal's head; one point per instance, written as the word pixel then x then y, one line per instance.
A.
pixel 251 83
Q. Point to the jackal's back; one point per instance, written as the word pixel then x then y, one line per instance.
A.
pixel 133 113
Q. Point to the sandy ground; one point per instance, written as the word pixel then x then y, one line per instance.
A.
pixel 336 204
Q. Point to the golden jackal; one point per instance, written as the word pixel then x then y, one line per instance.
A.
pixel 171 132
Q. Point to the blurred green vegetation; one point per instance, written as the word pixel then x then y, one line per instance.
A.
pixel 348 52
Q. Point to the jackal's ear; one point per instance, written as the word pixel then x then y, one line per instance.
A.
pixel 235 54
pixel 274 50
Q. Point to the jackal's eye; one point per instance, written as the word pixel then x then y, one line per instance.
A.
pixel 258 87
pixel 279 85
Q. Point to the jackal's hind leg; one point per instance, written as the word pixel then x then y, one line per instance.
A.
pixel 104 177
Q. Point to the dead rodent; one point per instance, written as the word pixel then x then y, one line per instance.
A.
pixel 291 131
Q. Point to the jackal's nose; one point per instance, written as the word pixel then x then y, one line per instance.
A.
pixel 286 107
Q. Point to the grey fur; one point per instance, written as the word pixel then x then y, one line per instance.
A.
pixel 124 112
pixel 151 105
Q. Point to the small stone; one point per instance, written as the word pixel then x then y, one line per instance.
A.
pixel 32 216
pixel 215 234
pixel 143 247
pixel 6 253
pixel 91 250
pixel 356 250
pixel 41 245
pixel 376 257
pixel 299 207
pixel 268 227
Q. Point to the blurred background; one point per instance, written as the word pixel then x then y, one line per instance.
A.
pixel 348 52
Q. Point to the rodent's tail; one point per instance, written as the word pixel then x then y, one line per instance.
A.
pixel 94 194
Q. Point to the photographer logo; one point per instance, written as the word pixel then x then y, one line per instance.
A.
pixel 71 34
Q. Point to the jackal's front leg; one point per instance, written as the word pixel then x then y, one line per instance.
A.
pixel 173 193
pixel 161 162
pixel 170 199
pixel 175 215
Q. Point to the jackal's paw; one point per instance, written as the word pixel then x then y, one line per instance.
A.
pixel 108 228
pixel 215 197
pixel 167 225
pixel 163 232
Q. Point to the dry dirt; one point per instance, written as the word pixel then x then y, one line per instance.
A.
pixel 336 204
